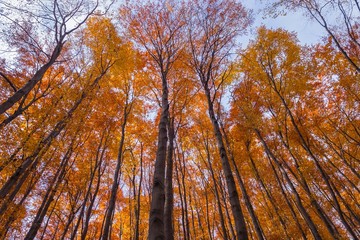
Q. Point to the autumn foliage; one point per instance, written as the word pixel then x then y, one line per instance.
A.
pixel 150 122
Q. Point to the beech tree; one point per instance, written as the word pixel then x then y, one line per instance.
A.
pixel 53 20
pixel 149 121
pixel 157 27
pixel 213 27
pixel 343 32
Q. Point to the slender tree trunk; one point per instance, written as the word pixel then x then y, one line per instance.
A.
pixel 49 196
pixel 199 218
pixel 218 201
pixel 193 233
pixel 106 234
pixel 22 92
pixel 249 206
pixel 282 187
pixel 73 211
pixel 302 209
pixel 137 213
pixel 21 109
pixel 185 194
pixel 20 175
pixel 304 183
pixel 12 159
pixel 169 196
pixel 268 193
pixel 12 215
pixel 324 175
pixel 97 169
pixel 49 217
pixel 289 203
pixel 230 182
pixel 181 196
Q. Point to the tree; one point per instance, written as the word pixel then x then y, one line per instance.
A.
pixel 157 28
pixel 156 115
pixel 213 28
pixel 54 19
pixel 344 32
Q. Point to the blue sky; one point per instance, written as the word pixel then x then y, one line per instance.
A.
pixel 308 31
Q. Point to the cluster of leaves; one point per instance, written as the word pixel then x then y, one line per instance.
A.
pixel 79 118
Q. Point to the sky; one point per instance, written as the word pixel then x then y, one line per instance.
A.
pixel 308 31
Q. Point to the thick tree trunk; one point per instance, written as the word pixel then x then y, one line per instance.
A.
pixel 223 195
pixel 156 219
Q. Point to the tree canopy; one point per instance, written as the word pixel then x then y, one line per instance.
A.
pixel 147 120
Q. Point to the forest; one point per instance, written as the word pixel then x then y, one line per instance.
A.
pixel 151 120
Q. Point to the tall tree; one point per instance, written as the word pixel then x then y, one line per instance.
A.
pixel 213 28
pixel 157 27
pixel 343 31
pixel 54 19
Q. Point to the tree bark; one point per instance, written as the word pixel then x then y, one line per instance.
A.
pixel 137 212
pixel 169 196
pixel 268 193
pixel 239 219
pixel 301 207
pixel 218 202
pixel 106 234
pixel 156 219
pixel 49 196
pixel 20 93
pixel 249 206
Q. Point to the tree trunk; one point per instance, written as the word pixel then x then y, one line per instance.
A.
pixel 239 219
pixel 49 196
pixel 305 145
pixel 255 220
pixel 218 202
pixel 137 213
pixel 156 219
pixel 169 196
pixel 106 234
pixel 302 209
pixel 97 169
pixel 267 192
pixel 33 81
pixel 304 183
